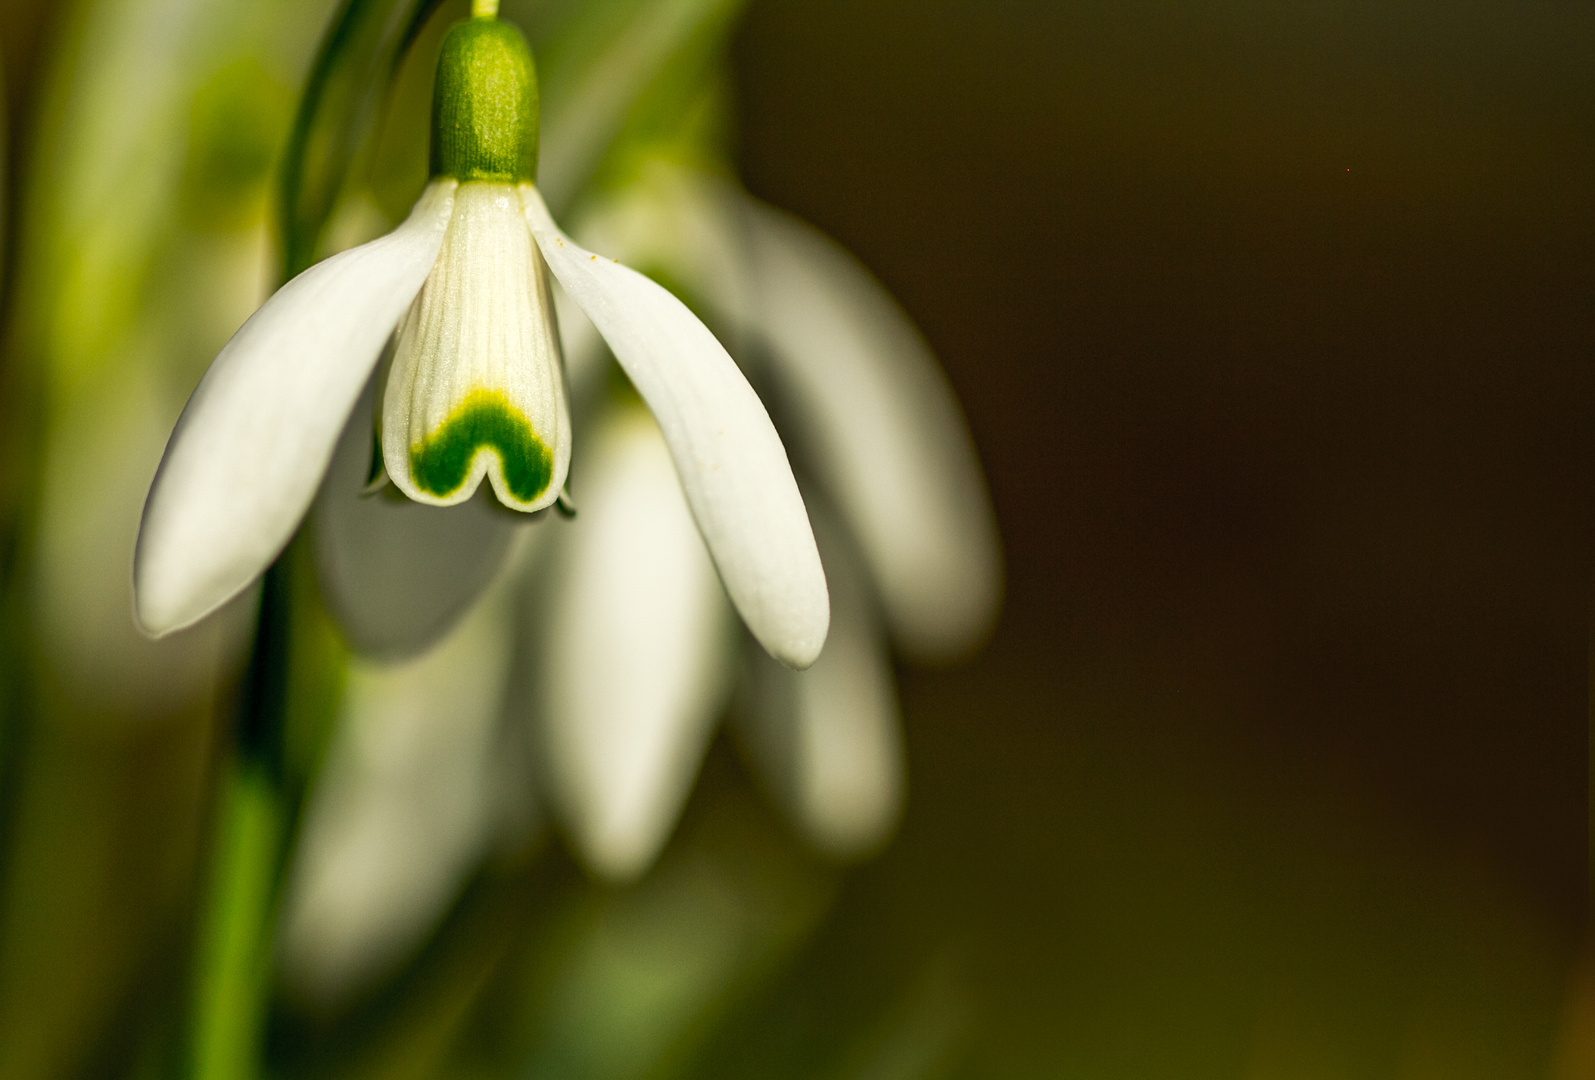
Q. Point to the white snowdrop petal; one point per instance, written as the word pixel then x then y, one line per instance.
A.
pixel 690 226
pixel 243 463
pixel 401 812
pixel 733 468
pixel 476 388
pixel 634 665
pixel 585 355
pixel 874 416
pixel 397 574
pixel 828 741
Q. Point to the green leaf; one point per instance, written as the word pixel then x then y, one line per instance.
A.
pixel 603 64
pixel 338 113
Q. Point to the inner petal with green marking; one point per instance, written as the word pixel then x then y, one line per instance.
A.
pixel 476 389
pixel 485 421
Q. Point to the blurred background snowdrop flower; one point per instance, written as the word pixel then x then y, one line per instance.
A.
pixel 629 663
pixel 626 649
pixel 416 787
pixel 634 665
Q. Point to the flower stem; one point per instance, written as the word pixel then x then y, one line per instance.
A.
pixel 231 981
pixel 234 955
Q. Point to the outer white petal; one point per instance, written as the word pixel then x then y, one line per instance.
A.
pixel 395 573
pixel 732 466
pixel 634 665
pixel 828 741
pixel 245 458
pixel 690 226
pixel 403 809
pixel 875 418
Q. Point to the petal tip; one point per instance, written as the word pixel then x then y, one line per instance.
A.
pixel 170 598
pixel 155 614
pixel 799 650
pixel 156 619
pixel 150 627
pixel 618 860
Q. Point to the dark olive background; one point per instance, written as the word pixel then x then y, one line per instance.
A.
pixel 1273 324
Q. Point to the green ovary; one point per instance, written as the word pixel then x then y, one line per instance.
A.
pixel 485 420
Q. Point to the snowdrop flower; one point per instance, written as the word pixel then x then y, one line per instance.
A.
pixel 631 652
pixel 417 785
pixel 635 659
pixel 475 389
pixel 421 780
pixel 867 409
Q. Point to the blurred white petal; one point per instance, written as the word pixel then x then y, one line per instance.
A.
pixel 252 444
pixel 732 466
pixel 396 574
pixel 402 811
pixel 688 225
pixel 634 666
pixel 582 346
pixel 875 417
pixel 586 104
pixel 828 741
pixel 476 388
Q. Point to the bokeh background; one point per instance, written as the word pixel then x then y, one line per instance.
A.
pixel 1273 324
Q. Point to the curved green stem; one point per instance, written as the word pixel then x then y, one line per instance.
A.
pixel 233 978
pixel 261 787
pixel 338 111
pixel 231 985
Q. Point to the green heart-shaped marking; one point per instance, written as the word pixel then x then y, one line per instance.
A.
pixel 485 420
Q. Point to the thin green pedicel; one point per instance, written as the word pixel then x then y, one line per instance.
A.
pixel 440 463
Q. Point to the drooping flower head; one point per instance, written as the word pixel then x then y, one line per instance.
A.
pixel 475 390
pixel 625 654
